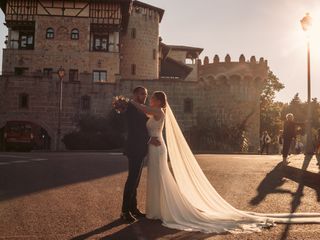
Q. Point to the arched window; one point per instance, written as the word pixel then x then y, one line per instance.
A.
pixel 50 33
pixel 85 103
pixel 23 101
pixel 75 34
pixel 188 105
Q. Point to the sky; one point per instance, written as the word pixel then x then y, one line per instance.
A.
pixel 265 28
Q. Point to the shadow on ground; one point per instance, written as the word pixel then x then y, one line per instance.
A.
pixel 273 181
pixel 142 229
pixel 278 176
pixel 55 171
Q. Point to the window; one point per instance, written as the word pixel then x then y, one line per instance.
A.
pixel 133 33
pixel 75 34
pixel 20 71
pixel 26 40
pixel 103 38
pixel 133 69
pixel 99 76
pixel 100 42
pixel 188 105
pixel 85 103
pixel 50 33
pixel 23 101
pixel 144 11
pixel 47 72
pixel 154 53
pixel 73 75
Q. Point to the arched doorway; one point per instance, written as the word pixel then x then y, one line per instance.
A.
pixel 20 135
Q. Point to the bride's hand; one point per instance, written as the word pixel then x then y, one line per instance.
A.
pixel 154 141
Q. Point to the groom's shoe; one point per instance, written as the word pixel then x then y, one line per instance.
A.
pixel 127 217
pixel 137 214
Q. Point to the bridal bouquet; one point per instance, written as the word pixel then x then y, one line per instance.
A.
pixel 120 103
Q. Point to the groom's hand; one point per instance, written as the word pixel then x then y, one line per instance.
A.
pixel 154 141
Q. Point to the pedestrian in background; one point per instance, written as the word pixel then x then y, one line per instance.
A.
pixel 265 142
pixel 317 148
pixel 280 142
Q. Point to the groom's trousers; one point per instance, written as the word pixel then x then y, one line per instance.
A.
pixel 286 147
pixel 130 190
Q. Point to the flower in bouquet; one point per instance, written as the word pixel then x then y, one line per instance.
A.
pixel 120 103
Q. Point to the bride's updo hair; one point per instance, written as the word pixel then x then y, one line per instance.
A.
pixel 162 97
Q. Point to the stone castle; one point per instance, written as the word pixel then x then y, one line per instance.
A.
pixel 106 48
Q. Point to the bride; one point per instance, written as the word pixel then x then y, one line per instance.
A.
pixel 184 199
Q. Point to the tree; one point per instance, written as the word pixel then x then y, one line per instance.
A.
pixel 297 108
pixel 272 86
pixel 315 111
pixel 270 111
pixel 97 133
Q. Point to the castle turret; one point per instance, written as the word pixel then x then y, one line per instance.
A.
pixel 140 43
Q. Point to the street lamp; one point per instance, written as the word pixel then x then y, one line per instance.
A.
pixel 61 73
pixel 306 23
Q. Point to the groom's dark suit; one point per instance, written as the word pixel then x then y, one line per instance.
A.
pixel 136 150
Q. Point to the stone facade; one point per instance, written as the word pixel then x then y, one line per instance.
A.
pixel 232 91
pixel 140 45
pixel 61 50
pixel 223 91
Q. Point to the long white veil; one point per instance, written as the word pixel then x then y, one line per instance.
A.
pixel 196 188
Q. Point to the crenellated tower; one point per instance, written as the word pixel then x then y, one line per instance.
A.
pixel 140 43
pixel 232 90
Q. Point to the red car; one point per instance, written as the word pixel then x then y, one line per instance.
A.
pixel 19 135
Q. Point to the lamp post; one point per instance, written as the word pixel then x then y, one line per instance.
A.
pixel 306 23
pixel 61 73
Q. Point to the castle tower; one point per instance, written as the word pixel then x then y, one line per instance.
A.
pixel 233 91
pixel 140 43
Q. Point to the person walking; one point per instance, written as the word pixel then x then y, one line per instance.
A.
pixel 317 148
pixel 289 134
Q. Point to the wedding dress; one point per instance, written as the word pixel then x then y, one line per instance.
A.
pixel 184 199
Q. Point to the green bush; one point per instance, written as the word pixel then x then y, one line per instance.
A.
pixel 216 137
pixel 97 133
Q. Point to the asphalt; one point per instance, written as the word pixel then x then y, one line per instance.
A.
pixel 77 195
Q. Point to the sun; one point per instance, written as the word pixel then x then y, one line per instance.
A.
pixel 313 34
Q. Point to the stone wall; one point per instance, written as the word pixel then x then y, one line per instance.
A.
pixel 43 101
pixel 232 91
pixel 177 91
pixel 44 93
pixel 218 99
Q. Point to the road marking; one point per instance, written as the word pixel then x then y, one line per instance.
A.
pixel 38 159
pixel 20 161
pixel 256 156
pixel 12 156
pixel 4 163
pixel 115 154
pixel 23 161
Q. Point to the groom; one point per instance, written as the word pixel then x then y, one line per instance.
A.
pixel 136 150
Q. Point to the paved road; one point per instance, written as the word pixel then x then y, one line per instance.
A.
pixel 78 195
